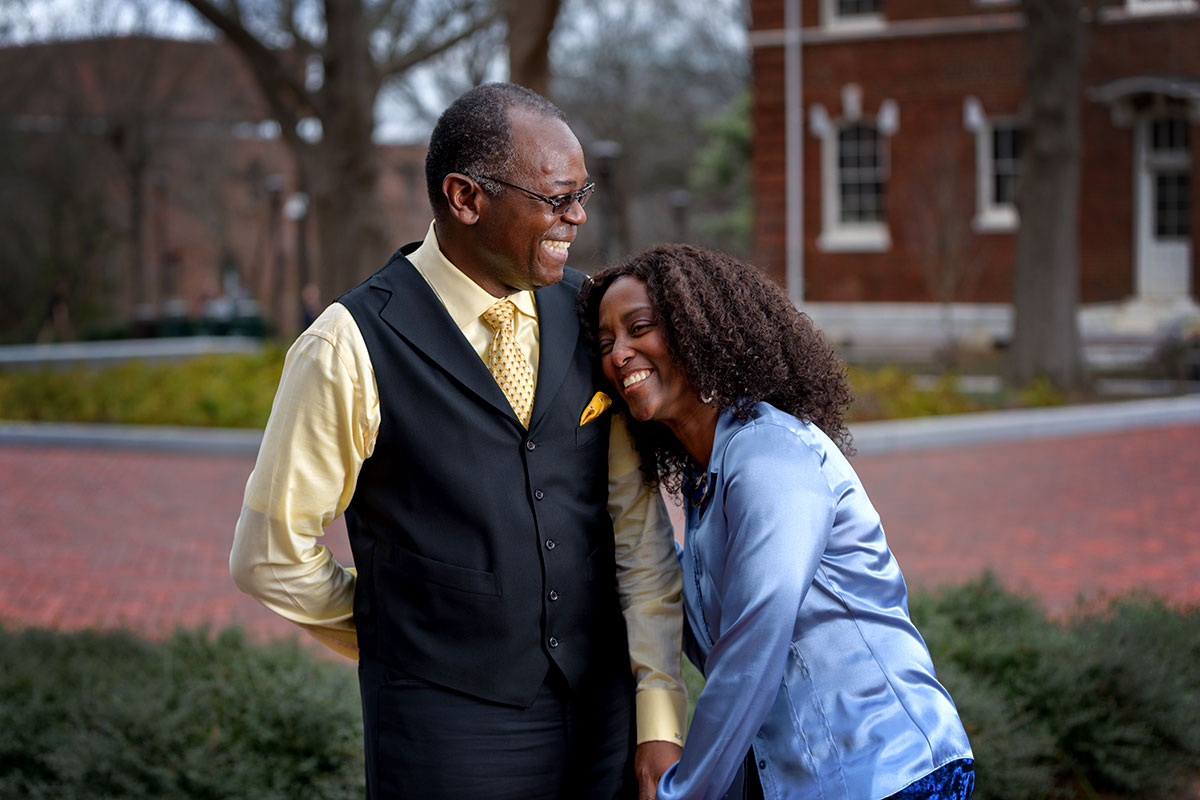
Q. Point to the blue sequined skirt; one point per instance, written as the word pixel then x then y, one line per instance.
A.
pixel 954 781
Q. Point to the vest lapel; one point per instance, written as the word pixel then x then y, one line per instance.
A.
pixel 558 329
pixel 415 313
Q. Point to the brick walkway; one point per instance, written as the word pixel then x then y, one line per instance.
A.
pixel 104 538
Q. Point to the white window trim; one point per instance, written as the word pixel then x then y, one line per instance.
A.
pixel 853 23
pixel 837 236
pixel 990 217
pixel 1160 6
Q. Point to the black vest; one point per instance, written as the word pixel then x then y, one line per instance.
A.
pixel 484 551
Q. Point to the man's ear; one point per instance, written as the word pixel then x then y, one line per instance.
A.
pixel 464 196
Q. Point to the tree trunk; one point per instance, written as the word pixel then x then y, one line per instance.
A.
pixel 529 25
pixel 348 211
pixel 1046 273
pixel 343 167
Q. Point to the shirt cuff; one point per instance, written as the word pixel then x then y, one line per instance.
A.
pixel 661 715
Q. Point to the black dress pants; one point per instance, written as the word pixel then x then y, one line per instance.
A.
pixel 427 742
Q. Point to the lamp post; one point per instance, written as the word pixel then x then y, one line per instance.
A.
pixel 296 210
pixel 680 200
pixel 794 153
pixel 606 152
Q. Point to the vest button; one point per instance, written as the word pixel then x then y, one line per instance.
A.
pixel 762 765
pixel 531 445
pixel 553 595
pixel 538 494
pixel 553 642
pixel 551 544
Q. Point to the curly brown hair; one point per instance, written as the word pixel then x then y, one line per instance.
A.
pixel 738 339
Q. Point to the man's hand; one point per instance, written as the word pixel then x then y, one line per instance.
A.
pixel 649 763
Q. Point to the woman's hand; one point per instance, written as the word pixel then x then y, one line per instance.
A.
pixel 649 763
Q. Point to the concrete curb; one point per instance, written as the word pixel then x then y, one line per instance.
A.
pixel 870 438
pixel 958 430
pixel 154 438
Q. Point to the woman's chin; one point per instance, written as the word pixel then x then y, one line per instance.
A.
pixel 641 413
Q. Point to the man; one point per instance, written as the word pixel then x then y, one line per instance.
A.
pixel 502 539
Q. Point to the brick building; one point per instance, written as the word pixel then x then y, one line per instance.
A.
pixel 902 122
pixel 198 194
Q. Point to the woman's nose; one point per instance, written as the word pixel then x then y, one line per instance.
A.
pixel 620 353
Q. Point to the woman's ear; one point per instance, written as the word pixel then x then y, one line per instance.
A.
pixel 464 196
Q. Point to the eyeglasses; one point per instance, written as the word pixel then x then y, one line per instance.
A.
pixel 559 204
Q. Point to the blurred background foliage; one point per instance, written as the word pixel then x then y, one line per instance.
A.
pixel 232 391
pixel 662 112
pixel 1101 704
pixel 236 391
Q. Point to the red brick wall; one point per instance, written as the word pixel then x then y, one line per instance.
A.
pixel 929 78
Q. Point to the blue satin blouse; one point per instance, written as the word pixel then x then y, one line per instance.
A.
pixel 801 616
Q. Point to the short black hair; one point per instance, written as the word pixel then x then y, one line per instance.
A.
pixel 474 136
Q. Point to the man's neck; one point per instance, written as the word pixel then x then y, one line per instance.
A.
pixel 463 260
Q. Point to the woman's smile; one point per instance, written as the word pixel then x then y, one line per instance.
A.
pixel 634 378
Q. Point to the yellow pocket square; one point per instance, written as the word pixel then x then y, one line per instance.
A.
pixel 595 407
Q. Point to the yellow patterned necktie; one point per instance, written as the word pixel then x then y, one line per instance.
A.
pixel 506 362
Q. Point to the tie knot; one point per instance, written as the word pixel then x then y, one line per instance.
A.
pixel 500 316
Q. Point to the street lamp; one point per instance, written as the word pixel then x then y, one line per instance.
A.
pixel 680 200
pixel 605 152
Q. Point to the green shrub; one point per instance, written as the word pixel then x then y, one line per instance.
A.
pixel 1040 392
pixel 237 390
pixel 210 391
pixel 1102 704
pixel 889 393
pixel 96 716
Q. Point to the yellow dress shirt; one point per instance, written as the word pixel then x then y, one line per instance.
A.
pixel 322 427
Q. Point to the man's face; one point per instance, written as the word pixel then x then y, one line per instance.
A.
pixel 521 243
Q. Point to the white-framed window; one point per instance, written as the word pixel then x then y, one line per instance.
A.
pixel 997 167
pixel 1169 158
pixel 854 188
pixel 852 14
pixel 998 144
pixel 855 164
pixel 861 175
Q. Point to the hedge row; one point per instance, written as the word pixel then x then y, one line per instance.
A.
pixel 1105 704
pixel 236 391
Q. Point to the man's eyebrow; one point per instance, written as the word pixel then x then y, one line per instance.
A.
pixel 568 182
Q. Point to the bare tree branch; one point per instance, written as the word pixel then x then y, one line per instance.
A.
pixel 287 23
pixel 281 83
pixel 428 46
pixel 392 17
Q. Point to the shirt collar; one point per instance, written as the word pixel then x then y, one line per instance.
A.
pixel 463 298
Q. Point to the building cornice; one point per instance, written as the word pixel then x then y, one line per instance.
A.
pixel 894 29
pixel 961 25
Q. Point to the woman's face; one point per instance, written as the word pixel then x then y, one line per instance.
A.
pixel 634 356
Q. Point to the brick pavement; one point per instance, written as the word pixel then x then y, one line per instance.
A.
pixel 96 538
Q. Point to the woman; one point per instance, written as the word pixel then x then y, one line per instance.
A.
pixel 818 685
